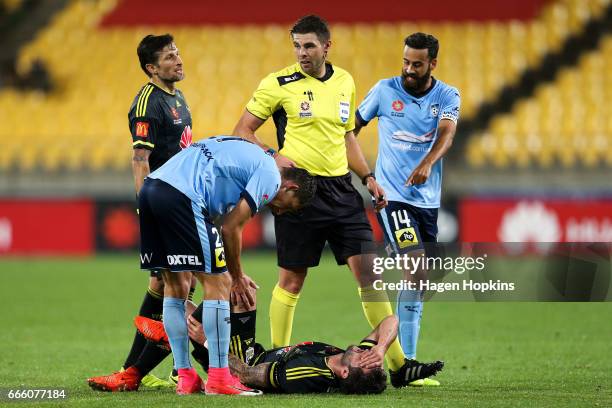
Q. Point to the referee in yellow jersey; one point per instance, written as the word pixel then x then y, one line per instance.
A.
pixel 312 104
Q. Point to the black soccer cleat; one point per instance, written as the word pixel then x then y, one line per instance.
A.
pixel 413 370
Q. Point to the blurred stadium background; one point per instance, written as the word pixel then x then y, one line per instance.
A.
pixel 534 139
pixel 532 161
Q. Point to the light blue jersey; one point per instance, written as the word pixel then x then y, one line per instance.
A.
pixel 407 130
pixel 216 172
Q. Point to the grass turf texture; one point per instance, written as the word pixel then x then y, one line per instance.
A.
pixel 64 320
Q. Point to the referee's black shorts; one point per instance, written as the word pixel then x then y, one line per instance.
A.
pixel 336 215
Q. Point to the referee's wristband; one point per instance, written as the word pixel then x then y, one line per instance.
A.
pixel 364 179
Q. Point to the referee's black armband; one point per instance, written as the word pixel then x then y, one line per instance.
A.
pixel 364 179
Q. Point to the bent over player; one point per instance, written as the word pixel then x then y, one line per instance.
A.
pixel 220 176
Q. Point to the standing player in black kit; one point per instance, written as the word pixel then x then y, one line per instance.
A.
pixel 160 124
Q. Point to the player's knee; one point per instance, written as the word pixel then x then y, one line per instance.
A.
pixel 156 284
pixel 292 280
pixel 176 284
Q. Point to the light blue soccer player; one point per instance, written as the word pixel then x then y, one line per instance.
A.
pixel 218 177
pixel 417 118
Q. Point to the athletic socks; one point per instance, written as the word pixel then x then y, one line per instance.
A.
pixel 282 308
pixel 151 307
pixel 216 322
pixel 409 310
pixel 151 356
pixel 376 307
pixel 176 329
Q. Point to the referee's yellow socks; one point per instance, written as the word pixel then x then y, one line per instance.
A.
pixel 282 307
pixel 376 307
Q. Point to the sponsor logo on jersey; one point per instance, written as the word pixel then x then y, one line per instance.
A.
pixel 183 260
pixel 174 113
pixel 345 111
pixel 406 237
pixel 406 136
pixel 287 79
pixel 397 105
pixel 186 137
pixel 434 109
pixel 142 129
pixel 219 257
pixel 305 111
pixel 265 199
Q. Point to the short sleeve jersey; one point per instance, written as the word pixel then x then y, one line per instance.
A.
pixel 407 130
pixel 303 368
pixel 161 122
pixel 312 116
pixel 216 172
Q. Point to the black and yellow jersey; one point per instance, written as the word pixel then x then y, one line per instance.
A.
pixel 312 116
pixel 161 122
pixel 303 369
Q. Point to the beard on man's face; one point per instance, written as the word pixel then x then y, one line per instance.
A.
pixel 418 82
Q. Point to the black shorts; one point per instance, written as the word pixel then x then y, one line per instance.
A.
pixel 175 233
pixel 336 215
pixel 407 228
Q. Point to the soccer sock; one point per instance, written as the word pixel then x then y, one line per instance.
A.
pixel 282 308
pixel 199 353
pixel 376 307
pixel 176 329
pixel 191 292
pixel 151 356
pixel 243 325
pixel 151 307
pixel 197 314
pixel 216 317
pixel 409 307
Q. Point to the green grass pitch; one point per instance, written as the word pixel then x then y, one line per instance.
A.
pixel 64 320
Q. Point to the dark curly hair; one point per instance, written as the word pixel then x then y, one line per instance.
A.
pixel 307 183
pixel 421 41
pixel 373 381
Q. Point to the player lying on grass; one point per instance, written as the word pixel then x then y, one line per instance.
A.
pixel 310 367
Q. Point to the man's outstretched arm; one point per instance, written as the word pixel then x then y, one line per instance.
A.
pixel 254 376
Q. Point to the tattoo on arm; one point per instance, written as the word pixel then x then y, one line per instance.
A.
pixel 256 376
pixel 140 158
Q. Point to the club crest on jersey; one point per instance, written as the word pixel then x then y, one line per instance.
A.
pixel 434 109
pixel 305 111
pixel 345 111
pixel 176 116
pixel 186 137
